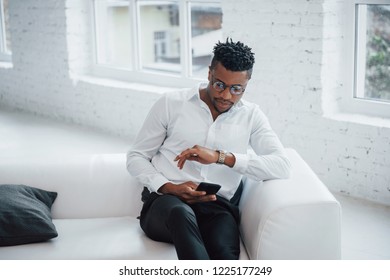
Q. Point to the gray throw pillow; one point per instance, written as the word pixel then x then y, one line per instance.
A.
pixel 25 215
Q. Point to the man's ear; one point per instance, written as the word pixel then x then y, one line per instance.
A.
pixel 209 75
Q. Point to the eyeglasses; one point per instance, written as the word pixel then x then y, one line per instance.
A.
pixel 233 89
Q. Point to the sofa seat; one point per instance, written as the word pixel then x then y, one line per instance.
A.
pixel 117 238
pixel 98 202
pixel 97 238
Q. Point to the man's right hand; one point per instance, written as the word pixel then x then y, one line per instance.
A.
pixel 187 192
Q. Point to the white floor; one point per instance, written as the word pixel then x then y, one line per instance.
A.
pixel 365 227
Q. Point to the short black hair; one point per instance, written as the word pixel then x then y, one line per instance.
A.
pixel 234 56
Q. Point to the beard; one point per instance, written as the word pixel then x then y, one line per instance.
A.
pixel 224 106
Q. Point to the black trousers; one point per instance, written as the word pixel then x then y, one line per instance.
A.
pixel 200 231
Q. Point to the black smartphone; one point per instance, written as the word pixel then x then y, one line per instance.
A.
pixel 209 188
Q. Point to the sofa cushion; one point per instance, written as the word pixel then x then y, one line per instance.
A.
pixel 95 186
pixel 116 238
pixel 25 215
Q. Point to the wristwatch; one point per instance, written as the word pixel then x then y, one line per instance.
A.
pixel 221 157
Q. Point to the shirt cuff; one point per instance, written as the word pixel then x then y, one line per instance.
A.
pixel 157 182
pixel 241 163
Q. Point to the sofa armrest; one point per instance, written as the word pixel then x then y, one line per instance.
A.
pixel 295 218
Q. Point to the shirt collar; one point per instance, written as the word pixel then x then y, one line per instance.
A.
pixel 194 92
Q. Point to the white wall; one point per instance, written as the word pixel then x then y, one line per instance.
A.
pixel 50 42
pixel 299 48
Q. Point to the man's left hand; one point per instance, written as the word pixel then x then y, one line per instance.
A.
pixel 197 153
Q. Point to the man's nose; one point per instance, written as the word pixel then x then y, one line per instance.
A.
pixel 226 93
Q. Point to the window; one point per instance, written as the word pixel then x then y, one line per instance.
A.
pixel 372 58
pixel 156 41
pixel 5 41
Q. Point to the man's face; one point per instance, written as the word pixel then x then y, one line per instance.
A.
pixel 222 84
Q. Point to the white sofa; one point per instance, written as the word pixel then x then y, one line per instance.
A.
pixel 98 202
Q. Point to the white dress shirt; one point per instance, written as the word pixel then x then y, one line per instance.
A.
pixel 180 120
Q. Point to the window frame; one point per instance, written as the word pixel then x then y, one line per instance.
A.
pixel 355 103
pixel 139 75
pixel 5 55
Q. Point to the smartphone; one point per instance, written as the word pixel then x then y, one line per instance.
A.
pixel 209 188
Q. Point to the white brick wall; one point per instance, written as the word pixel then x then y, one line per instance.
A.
pixel 299 65
pixel 299 51
pixel 44 60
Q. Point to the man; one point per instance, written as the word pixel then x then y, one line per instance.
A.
pixel 203 135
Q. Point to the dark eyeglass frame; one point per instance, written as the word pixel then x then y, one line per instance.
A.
pixel 220 86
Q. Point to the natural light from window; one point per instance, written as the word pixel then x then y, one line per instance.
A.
pixel 372 77
pixel 173 38
pixel 5 38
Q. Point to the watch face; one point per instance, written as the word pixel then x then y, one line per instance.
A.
pixel 221 158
